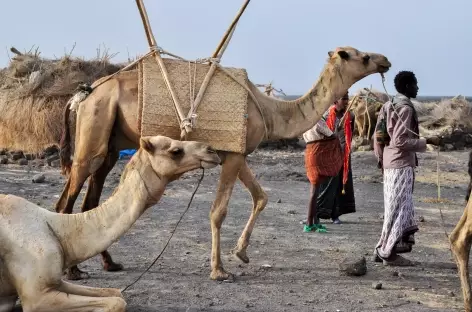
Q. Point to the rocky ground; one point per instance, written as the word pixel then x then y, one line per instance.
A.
pixel 289 270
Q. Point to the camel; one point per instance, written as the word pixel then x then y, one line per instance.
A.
pixel 107 122
pixel 366 109
pixel 37 244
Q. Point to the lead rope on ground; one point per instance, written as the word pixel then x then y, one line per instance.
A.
pixel 171 235
pixel 437 168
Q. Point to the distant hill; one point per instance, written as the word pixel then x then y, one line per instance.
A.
pixel 424 98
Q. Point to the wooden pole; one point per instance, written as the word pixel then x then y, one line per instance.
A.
pixel 230 29
pixel 217 54
pixel 152 43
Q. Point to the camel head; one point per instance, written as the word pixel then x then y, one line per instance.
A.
pixel 356 65
pixel 171 158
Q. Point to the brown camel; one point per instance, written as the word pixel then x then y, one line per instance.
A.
pixel 107 122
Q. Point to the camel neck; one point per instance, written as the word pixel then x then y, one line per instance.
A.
pixel 85 235
pixel 289 119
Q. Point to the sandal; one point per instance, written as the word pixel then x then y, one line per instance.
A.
pixel 314 228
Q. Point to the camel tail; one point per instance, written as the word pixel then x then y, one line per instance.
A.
pixel 65 144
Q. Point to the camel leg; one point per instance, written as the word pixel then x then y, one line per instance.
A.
pixel 92 199
pixel 7 303
pixel 54 300
pixel 461 239
pixel 229 172
pixel 80 290
pixel 259 198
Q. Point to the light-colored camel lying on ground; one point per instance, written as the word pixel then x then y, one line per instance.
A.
pixel 107 121
pixel 37 245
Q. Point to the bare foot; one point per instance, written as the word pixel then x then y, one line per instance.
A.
pixel 75 274
pixel 221 275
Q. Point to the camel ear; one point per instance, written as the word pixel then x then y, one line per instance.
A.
pixel 146 144
pixel 330 53
pixel 343 54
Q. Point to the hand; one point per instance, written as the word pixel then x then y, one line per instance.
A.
pixel 434 140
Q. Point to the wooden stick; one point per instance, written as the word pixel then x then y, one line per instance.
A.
pixel 230 29
pixel 217 54
pixel 152 43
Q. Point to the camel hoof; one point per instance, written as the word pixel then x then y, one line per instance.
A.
pixel 221 275
pixel 113 267
pixel 241 255
pixel 74 274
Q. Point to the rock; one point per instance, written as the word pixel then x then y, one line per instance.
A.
pixel 353 266
pixel 376 285
pixel 52 158
pixel 449 147
pixel 55 163
pixel 16 155
pixel 452 294
pixel 22 162
pixel 29 156
pixel 3 151
pixel 266 266
pixel 394 273
pixel 3 160
pixel 278 201
pixel 39 178
pixel 420 219
pixel 292 212
pixel 51 150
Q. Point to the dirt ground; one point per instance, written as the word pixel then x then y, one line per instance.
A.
pixel 289 270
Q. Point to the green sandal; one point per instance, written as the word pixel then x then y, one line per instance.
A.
pixel 314 228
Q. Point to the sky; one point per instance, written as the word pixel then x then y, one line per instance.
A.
pixel 281 41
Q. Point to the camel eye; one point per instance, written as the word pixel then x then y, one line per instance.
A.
pixel 366 58
pixel 176 151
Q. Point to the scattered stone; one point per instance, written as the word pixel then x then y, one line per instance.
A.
pixel 414 289
pixel 353 266
pixel 452 294
pixel 4 160
pixel 55 163
pixel 292 212
pixel 3 151
pixel 39 178
pixel 22 162
pixel 29 156
pixel 266 266
pixel 52 158
pixel 376 285
pixel 449 147
pixel 420 219
pixel 16 155
pixel 278 201
pixel 395 273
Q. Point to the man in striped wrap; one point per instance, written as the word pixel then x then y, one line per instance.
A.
pixel 397 159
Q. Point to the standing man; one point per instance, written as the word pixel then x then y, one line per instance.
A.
pixel 396 143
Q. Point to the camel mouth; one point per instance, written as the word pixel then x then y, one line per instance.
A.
pixel 383 68
pixel 208 164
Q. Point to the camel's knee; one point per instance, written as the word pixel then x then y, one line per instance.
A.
pixel 261 202
pixel 217 216
pixel 117 304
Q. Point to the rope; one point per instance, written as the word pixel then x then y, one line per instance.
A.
pixel 172 234
pixel 437 167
